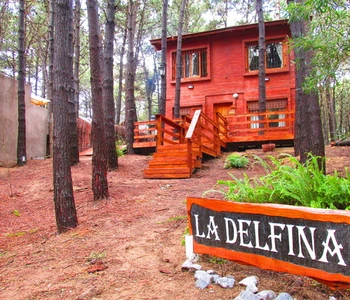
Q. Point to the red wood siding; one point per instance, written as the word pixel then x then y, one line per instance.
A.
pixel 227 70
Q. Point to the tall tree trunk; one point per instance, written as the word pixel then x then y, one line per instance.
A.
pixel 120 81
pixel 108 97
pixel 65 210
pixel 99 157
pixel 50 74
pixel 308 126
pixel 179 62
pixel 77 20
pixel 21 138
pixel 162 100
pixel 130 111
pixel 150 87
pixel 262 59
pixel 331 111
pixel 73 129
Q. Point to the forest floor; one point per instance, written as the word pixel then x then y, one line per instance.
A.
pixel 126 247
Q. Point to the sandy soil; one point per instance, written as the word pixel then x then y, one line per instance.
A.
pixel 126 247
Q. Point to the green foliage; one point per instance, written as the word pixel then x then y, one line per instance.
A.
pixel 121 149
pixel 289 182
pixel 236 161
pixel 217 260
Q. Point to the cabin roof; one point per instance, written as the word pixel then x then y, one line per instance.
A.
pixel 222 31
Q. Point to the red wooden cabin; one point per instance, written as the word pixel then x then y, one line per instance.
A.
pixel 220 74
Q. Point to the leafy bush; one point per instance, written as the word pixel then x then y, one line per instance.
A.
pixel 292 183
pixel 120 148
pixel 236 161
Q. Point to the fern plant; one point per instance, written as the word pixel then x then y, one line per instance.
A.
pixel 236 161
pixel 292 183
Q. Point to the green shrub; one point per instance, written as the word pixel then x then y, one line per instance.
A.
pixel 236 161
pixel 121 149
pixel 292 183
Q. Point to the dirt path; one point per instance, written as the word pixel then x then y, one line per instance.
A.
pixel 128 247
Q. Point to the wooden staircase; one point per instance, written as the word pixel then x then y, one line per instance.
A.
pixel 172 161
pixel 180 145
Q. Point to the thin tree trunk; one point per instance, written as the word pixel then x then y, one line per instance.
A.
pixel 73 129
pixel 331 112
pixel 120 81
pixel 99 157
pixel 21 138
pixel 262 63
pixel 65 210
pixel 130 82
pixel 162 100
pixel 77 20
pixel 50 74
pixel 179 62
pixel 108 97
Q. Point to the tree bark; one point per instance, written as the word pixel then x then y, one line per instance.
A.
pixel 65 210
pixel 21 137
pixel 77 20
pixel 73 114
pixel 130 111
pixel 308 126
pixel 262 59
pixel 50 74
pixel 120 81
pixel 331 111
pixel 99 157
pixel 162 100
pixel 179 62
pixel 108 97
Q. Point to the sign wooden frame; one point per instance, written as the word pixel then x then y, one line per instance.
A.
pixel 298 240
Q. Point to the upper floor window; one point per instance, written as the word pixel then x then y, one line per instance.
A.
pixel 275 55
pixel 194 63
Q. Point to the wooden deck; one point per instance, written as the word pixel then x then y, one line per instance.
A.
pixel 179 144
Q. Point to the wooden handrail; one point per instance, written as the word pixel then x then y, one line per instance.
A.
pixel 205 133
pixel 169 131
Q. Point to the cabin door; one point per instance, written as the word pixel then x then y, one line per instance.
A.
pixel 224 108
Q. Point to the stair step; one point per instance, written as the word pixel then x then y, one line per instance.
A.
pixel 169 154
pixel 167 173
pixel 172 148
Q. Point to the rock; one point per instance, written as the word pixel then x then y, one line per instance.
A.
pixel 201 284
pixel 284 296
pixel 250 282
pixel 267 295
pixel 190 265
pixel 225 282
pixel 247 295
pixel 203 279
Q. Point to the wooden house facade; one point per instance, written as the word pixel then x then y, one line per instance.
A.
pixel 220 74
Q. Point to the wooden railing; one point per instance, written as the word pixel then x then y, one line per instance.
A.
pixel 275 125
pixel 205 134
pixel 144 134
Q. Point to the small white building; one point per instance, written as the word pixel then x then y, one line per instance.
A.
pixel 36 123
